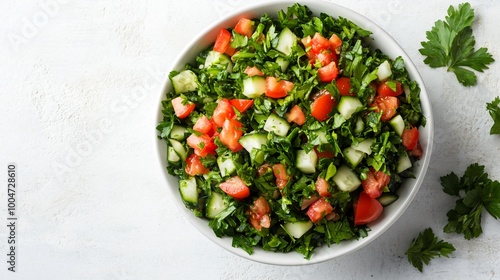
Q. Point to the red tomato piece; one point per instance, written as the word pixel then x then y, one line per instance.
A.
pixel 223 111
pixel 417 152
pixel 259 214
pixel 410 138
pixel 388 105
pixel 194 166
pixel 279 171
pixel 344 85
pixel 241 104
pixel 385 90
pixel 366 209
pixel 244 27
pixel 182 110
pixel 230 50
pixel 324 154
pixel 230 134
pixel 328 72
pixel 324 57
pixel 322 106
pixel 322 187
pixel 235 187
pixel 253 71
pixel 375 182
pixel 203 125
pixel 222 40
pixel 275 89
pixel 296 115
pixel 319 209
pixel 335 41
pixel 203 145
pixel 319 43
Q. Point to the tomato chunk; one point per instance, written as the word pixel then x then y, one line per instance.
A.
pixel 222 40
pixel 223 111
pixel 322 187
pixel 375 182
pixel 230 134
pixel 182 110
pixel 259 214
pixel 335 41
pixel 279 171
pixel 410 138
pixel 275 89
pixel 385 90
pixel 202 145
pixel 235 187
pixel 417 152
pixel 344 85
pixel 241 104
pixel 194 166
pixel 328 72
pixel 244 27
pixel 319 209
pixel 322 106
pixel 203 125
pixel 366 209
pixel 296 115
pixel 253 71
pixel 387 105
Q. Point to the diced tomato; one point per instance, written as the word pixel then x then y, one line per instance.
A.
pixel 322 187
pixel 320 50
pixel 417 152
pixel 235 187
pixel 328 73
pixel 203 125
pixel 275 89
pixel 230 134
pixel 194 166
pixel 344 85
pixel 410 138
pixel 319 43
pixel 230 50
pixel 203 145
pixel 259 214
pixel 244 27
pixel 222 40
pixel 388 105
pixel 223 111
pixel 319 209
pixel 253 71
pixel 335 41
pixel 296 115
pixel 366 209
pixel 324 154
pixel 375 182
pixel 308 201
pixel 282 178
pixel 182 110
pixel 241 104
pixel 324 57
pixel 385 90
pixel 322 106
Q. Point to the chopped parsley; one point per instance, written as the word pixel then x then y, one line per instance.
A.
pixel 426 247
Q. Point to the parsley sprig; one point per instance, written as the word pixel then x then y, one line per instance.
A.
pixel 494 108
pixel 451 44
pixel 475 191
pixel 426 247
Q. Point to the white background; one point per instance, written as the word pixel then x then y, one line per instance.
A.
pixel 80 83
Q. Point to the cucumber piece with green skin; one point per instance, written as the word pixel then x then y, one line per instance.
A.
pixel 364 146
pixel 215 205
pixel 226 165
pixel 404 163
pixel 286 41
pixel 346 180
pixel 189 191
pixel 360 126
pixel 306 162
pixel 219 59
pixel 185 81
pixel 277 125
pixel 178 133
pixel 387 198
pixel 178 148
pixel 283 63
pixel 384 71
pixel 254 86
pixel 172 156
pixel 297 229
pixel 253 141
pixel 354 157
pixel 398 124
pixel 348 105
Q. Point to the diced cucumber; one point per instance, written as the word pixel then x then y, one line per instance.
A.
pixel 178 148
pixel 286 41
pixel 364 146
pixel 384 71
pixel 387 198
pixel 185 81
pixel 189 190
pixel 354 157
pixel 398 124
pixel 172 156
pixel 360 126
pixel 178 132
pixel 283 63
pixel 346 179
pixel 254 86
pixel 215 205
pixel 297 229
pixel 276 124
pixel 404 163
pixel 306 162
pixel 321 137
pixel 348 105
pixel 226 165
pixel 216 58
pixel 253 141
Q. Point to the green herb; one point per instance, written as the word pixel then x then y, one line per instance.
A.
pixel 475 192
pixel 494 108
pixel 451 44
pixel 426 247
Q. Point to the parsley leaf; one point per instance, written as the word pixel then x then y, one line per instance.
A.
pixel 451 44
pixel 475 192
pixel 426 247
pixel 494 109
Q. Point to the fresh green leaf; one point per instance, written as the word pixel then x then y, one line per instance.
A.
pixel 426 247
pixel 494 109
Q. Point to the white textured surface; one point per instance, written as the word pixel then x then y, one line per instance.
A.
pixel 79 92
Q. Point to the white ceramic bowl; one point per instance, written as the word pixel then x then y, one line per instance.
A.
pixel 408 190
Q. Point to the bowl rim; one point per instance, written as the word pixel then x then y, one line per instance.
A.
pixel 381 225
